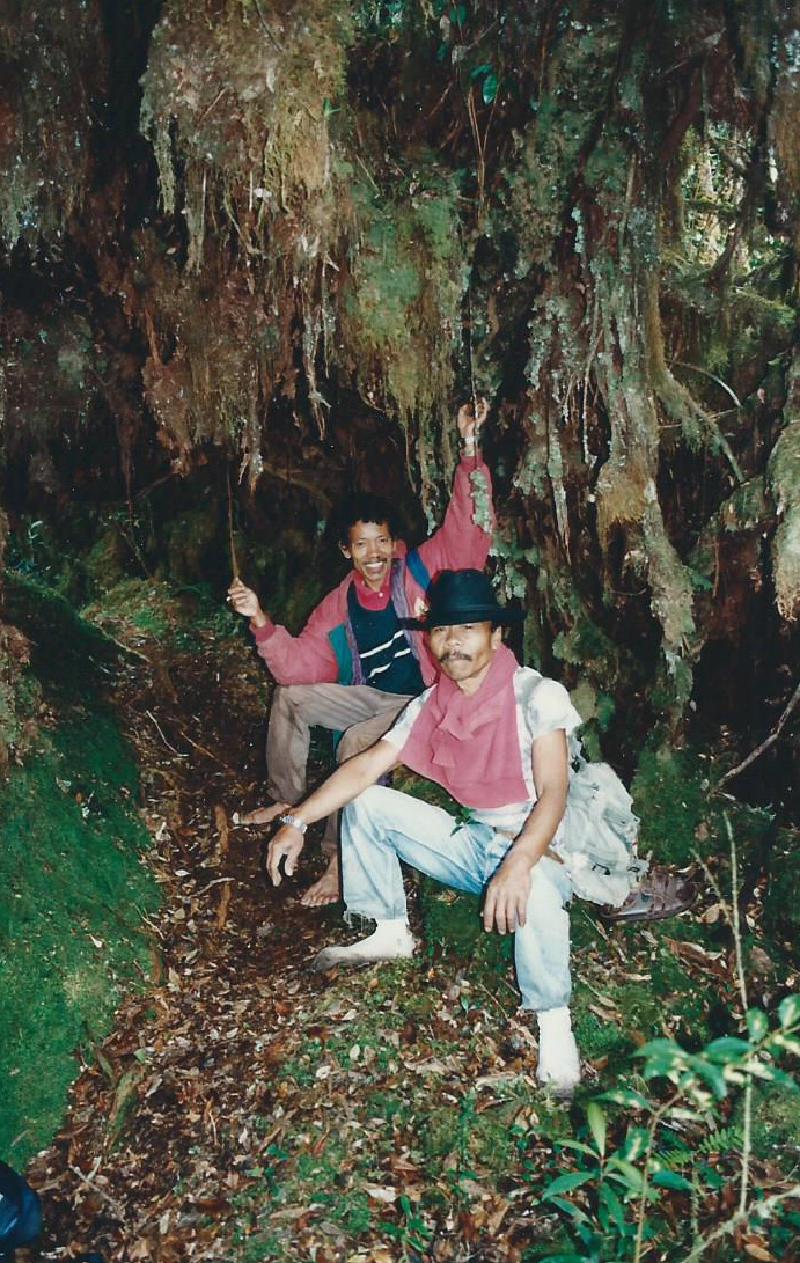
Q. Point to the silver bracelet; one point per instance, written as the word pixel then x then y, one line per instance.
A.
pixel 294 822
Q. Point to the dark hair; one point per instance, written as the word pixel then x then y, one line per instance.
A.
pixel 363 506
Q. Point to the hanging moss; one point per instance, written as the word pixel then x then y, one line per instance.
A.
pixel 369 213
pixel 208 365
pixel 400 312
pixel 54 375
pixel 246 91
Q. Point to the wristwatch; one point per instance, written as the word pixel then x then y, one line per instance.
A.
pixel 294 821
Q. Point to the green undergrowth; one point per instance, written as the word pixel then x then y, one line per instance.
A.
pixel 682 818
pixel 415 1115
pixel 404 1113
pixel 67 651
pixel 73 885
pixel 782 896
pixel 428 1125
pixel 73 893
pixel 138 612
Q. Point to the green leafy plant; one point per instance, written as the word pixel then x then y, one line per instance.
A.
pixel 612 1202
pixel 412 1232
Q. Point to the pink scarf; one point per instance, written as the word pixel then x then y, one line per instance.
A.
pixel 470 745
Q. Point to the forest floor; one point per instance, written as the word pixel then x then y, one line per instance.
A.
pixel 246 1108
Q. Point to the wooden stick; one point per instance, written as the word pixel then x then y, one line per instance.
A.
pixel 231 541
pixel 472 380
pixel 769 741
pixel 221 824
pixel 223 907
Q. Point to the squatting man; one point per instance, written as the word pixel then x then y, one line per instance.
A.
pixel 357 662
pixel 494 735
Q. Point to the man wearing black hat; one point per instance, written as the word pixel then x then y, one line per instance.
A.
pixel 495 736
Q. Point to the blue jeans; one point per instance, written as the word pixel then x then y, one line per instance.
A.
pixel 382 826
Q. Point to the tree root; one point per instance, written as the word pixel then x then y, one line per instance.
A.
pixel 696 424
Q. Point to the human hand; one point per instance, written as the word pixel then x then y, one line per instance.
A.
pixel 261 815
pixel 245 601
pixel 286 845
pixel 469 422
pixel 506 903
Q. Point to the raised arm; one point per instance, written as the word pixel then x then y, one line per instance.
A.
pixel 506 903
pixel 464 538
pixel 345 784
pixel 305 659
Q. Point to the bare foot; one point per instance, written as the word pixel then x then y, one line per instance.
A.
pixel 261 815
pixel 326 890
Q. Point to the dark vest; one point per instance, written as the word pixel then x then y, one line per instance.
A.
pixel 384 648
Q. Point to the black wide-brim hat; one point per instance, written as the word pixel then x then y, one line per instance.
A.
pixel 463 596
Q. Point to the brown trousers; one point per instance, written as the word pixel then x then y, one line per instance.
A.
pixel 362 713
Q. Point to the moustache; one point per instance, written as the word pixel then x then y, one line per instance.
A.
pixel 455 657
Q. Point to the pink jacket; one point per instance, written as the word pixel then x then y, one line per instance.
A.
pixel 319 655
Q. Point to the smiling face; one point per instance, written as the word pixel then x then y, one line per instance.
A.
pixel 371 550
pixel 464 652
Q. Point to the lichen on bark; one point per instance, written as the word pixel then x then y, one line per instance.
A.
pixel 784 480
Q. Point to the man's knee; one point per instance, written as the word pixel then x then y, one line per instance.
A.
pixel 290 702
pixel 352 742
pixel 368 805
pixel 546 898
pixel 289 696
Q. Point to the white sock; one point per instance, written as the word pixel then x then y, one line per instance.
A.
pixel 559 1060
pixel 390 940
pixel 392 930
pixel 555 1021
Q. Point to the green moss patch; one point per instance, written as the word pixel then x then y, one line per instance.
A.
pixel 776 1122
pixel 782 897
pixel 73 892
pixel 67 652
pixel 680 815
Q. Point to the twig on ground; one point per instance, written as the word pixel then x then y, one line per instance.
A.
pixel 88 1182
pixel 203 750
pixel 765 745
pixel 730 911
pixel 168 744
pixel 218 881
pixel 652 1128
pixel 223 907
pixel 737 1220
pixel 221 824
